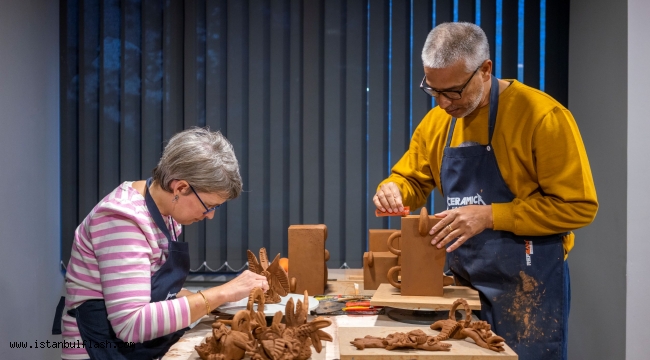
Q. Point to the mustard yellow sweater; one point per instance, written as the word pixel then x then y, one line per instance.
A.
pixel 540 154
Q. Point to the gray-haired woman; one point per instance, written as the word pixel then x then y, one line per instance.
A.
pixel 124 296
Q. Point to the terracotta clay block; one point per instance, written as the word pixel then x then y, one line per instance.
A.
pixel 375 268
pixel 377 239
pixel 307 258
pixel 422 264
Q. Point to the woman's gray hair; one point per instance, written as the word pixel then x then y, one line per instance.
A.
pixel 449 42
pixel 203 158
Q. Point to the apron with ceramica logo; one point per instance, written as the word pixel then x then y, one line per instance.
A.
pixel 92 318
pixel 523 281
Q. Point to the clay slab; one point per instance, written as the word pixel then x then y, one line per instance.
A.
pixel 460 349
pixel 387 295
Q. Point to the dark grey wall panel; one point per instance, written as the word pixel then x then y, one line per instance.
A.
pixel 319 99
pixel 509 45
pixel 531 43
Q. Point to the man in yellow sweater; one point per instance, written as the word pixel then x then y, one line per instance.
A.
pixel 511 164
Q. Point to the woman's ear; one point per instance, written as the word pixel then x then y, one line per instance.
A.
pixel 179 187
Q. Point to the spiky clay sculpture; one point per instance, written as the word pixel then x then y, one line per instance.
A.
pixel 275 275
pixel 250 336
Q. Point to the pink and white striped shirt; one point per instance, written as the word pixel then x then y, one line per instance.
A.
pixel 116 251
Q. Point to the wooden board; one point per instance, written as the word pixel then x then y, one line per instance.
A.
pixel 460 349
pixel 387 295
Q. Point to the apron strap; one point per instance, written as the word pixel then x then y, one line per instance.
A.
pixel 56 325
pixel 155 214
pixel 494 107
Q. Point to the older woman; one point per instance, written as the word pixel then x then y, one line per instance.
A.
pixel 124 278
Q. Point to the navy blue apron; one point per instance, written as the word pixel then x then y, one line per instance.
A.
pixel 92 318
pixel 523 281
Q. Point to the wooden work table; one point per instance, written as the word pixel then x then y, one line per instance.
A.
pixel 342 282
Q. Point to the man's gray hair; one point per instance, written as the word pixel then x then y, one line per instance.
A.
pixel 449 42
pixel 203 158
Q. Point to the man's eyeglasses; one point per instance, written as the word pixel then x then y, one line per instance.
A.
pixel 449 94
pixel 207 210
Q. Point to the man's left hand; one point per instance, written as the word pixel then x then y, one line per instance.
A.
pixel 461 224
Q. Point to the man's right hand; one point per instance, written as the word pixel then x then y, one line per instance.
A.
pixel 388 198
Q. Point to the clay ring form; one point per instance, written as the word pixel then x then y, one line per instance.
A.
pixel 392 276
pixel 393 236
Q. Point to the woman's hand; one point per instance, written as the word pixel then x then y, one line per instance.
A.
pixel 241 286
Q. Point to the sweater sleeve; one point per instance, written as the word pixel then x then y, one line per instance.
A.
pixel 412 173
pixel 123 256
pixel 566 198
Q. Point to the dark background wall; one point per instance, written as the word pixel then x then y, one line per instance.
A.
pixel 30 224
pixel 318 97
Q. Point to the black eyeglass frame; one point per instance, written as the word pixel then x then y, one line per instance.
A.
pixel 207 210
pixel 431 91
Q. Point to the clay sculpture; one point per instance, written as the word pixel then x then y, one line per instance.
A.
pixel 415 339
pixel 308 258
pixel 378 260
pixel 479 331
pixel 249 335
pixel 275 275
pixel 421 263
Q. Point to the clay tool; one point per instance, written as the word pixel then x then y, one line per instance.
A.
pixel 406 212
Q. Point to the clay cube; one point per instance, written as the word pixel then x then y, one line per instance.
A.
pixel 307 258
pixel 422 263
pixel 375 268
pixel 377 239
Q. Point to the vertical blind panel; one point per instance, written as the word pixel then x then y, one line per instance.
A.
pixel 258 120
pixel 237 119
pixel 312 117
pixel 89 46
pixel 278 190
pixel 334 120
pixel 531 43
pixel 130 91
pixel 109 96
pixel 509 45
pixel 152 86
pixel 356 207
pixel 557 50
pixel 69 82
pixel 295 113
pixel 377 124
pixel 216 106
pixel 193 77
pixel 400 81
pixel 319 99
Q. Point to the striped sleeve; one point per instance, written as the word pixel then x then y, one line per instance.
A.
pixel 123 257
